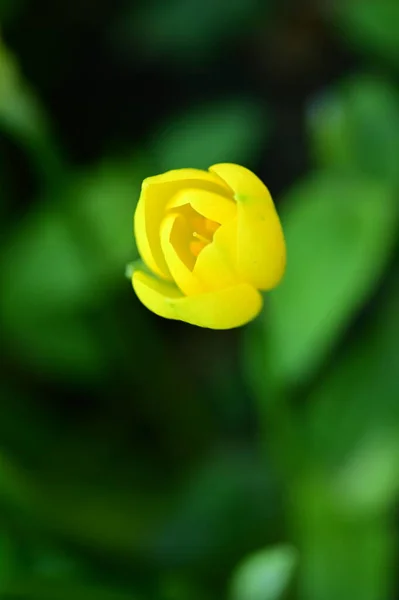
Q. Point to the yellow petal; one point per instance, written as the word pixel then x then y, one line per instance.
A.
pixel 214 207
pixel 155 194
pixel 261 251
pixel 242 181
pixel 175 242
pixel 223 309
pixel 189 175
pixel 215 265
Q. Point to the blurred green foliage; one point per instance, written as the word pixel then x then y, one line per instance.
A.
pixel 150 460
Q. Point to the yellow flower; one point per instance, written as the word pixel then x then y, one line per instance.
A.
pixel 210 240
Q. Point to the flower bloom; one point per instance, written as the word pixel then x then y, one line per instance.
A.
pixel 210 241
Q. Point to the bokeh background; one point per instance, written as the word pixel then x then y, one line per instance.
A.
pixel 149 460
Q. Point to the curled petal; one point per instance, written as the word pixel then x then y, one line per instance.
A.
pixel 223 309
pixel 215 265
pixel 208 204
pixel 188 175
pixel 261 251
pixel 242 181
pixel 175 237
pixel 155 194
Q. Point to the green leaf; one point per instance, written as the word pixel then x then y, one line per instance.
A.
pixel 344 507
pixel 368 482
pixel 355 126
pixel 225 505
pixel 340 232
pixel 25 430
pixel 45 280
pixel 101 204
pixel 177 587
pixel 63 262
pixel 342 556
pixel 264 575
pixel 8 566
pixel 371 26
pixel 228 130
pixel 352 435
pixel 23 117
pixel 41 589
pixel 104 514
pixel 136 265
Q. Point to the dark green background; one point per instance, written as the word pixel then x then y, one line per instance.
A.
pixel 149 460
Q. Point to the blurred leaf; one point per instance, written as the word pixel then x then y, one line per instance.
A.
pixel 5 196
pixel 101 515
pixel 230 130
pixel 8 567
pixel 369 482
pixel 116 520
pixel 348 431
pixel 344 515
pixel 23 117
pixel 185 29
pixel 340 233
pixel 371 25
pixel 38 589
pixel 44 260
pixel 52 562
pixel 60 262
pixel 15 489
pixel 264 575
pixel 25 430
pixel 44 280
pixel 222 510
pixel 341 557
pixel 102 203
pixel 176 587
pixel 356 126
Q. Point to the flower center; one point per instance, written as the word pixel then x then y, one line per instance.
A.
pixel 190 234
pixel 203 231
